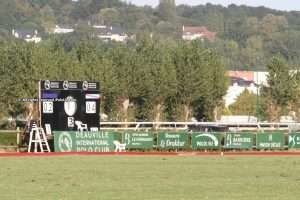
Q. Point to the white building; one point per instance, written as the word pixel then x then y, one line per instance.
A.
pixel 62 29
pixel 235 90
pixel 27 35
pixel 197 32
pixel 244 80
pixel 110 33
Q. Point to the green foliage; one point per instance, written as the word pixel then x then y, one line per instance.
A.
pixel 281 81
pixel 201 79
pixel 167 10
pixel 278 98
pixel 160 74
pixel 247 37
pixel 246 104
pixel 150 80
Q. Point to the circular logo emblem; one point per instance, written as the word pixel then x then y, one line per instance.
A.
pixel 70 106
pixel 162 144
pixel 66 85
pixel 65 143
pixel 85 85
pixel 47 85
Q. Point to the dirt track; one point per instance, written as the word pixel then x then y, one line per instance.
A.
pixel 249 153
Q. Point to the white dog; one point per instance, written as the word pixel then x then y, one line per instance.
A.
pixel 119 147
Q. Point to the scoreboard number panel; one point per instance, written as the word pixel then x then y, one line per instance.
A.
pixel 65 102
pixel 90 107
pixel 48 107
pixel 71 122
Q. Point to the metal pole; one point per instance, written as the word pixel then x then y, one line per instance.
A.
pixel 18 139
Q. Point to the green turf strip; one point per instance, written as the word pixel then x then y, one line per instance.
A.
pixel 8 139
pixel 151 178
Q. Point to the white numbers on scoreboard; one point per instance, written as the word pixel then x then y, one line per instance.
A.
pixel 90 107
pixel 48 107
pixel 71 122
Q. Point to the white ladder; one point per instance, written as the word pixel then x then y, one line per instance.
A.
pixel 38 137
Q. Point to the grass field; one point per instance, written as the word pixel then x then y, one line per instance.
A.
pixel 151 178
pixel 8 139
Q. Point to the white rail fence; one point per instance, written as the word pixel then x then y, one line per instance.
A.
pixel 188 125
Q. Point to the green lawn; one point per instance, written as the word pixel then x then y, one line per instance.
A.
pixel 153 178
pixel 8 139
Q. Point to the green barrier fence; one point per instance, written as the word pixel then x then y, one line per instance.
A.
pixel 239 140
pixel 71 141
pixel 172 140
pixel 206 141
pixel 138 140
pixel 294 141
pixel 270 141
pixel 103 141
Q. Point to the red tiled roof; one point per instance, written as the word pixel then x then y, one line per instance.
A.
pixel 192 30
pixel 246 75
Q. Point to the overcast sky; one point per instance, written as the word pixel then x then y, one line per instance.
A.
pixel 276 4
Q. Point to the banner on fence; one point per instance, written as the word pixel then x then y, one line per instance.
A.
pixel 239 140
pixel 206 140
pixel 138 140
pixel 270 140
pixel 172 140
pixel 294 140
pixel 72 141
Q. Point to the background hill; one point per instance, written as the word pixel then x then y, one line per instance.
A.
pixel 247 36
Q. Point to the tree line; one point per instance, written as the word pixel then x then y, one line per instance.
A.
pixel 247 37
pixel 149 80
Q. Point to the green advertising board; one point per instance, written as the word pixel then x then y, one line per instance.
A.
pixel 206 140
pixel 72 141
pixel 270 141
pixel 172 140
pixel 239 140
pixel 294 141
pixel 138 140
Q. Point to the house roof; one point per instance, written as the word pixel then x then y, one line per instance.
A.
pixel 241 82
pixel 246 75
pixel 109 30
pixel 25 33
pixel 64 26
pixel 193 30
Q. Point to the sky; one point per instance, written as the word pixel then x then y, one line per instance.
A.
pixel 275 4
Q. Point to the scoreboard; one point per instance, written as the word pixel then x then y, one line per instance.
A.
pixel 63 103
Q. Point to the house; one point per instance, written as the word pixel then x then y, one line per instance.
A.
pixel 27 35
pixel 197 32
pixel 238 119
pixel 62 29
pixel 110 33
pixel 244 80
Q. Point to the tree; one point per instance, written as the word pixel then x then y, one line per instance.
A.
pixel 167 10
pixel 272 23
pixel 246 104
pixel 109 16
pixel 18 77
pixel 281 89
pixel 201 81
pixel 160 77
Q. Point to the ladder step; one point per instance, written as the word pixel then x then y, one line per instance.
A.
pixel 38 138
